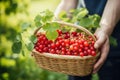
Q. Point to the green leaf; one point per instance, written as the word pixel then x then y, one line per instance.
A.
pixel 96 19
pixel 51 26
pixel 16 47
pixel 18 37
pixel 47 16
pixel 30 46
pixel 25 25
pixel 23 53
pixel 44 17
pixel 67 29
pixel 62 14
pixel 82 13
pixel 33 38
pixel 113 41
pixel 47 26
pixel 64 17
pixel 86 22
pixel 37 20
pixel 38 24
pixel 51 35
pixel 78 14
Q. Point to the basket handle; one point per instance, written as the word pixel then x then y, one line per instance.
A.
pixel 72 25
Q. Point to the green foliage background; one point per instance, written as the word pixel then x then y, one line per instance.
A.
pixel 14 13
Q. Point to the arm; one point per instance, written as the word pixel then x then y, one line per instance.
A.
pixel 65 5
pixel 110 17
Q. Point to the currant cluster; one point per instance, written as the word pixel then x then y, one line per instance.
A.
pixel 67 43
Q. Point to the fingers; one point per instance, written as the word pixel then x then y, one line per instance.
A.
pixel 104 53
pixel 101 39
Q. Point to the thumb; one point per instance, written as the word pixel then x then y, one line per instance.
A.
pixel 101 40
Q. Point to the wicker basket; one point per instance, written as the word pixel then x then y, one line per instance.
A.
pixel 71 65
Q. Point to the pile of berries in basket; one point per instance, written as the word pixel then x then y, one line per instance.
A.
pixel 67 43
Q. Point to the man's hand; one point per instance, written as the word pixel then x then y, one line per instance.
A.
pixel 102 44
pixel 110 17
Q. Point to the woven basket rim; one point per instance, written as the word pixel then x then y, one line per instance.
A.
pixel 64 56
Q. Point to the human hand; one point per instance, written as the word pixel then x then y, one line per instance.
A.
pixel 102 44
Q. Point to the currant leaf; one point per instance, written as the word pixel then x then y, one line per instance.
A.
pixel 82 13
pixel 30 46
pixel 25 25
pixel 113 41
pixel 16 47
pixel 23 53
pixel 51 26
pixel 51 35
pixel 62 14
pixel 86 22
pixel 96 19
pixel 37 20
pixel 47 16
pixel 33 39
pixel 18 37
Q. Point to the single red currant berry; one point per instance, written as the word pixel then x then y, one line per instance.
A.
pixel 45 49
pixel 52 51
pixel 93 53
pixel 80 50
pixel 36 48
pixel 57 51
pixel 75 48
pixel 59 38
pixel 72 41
pixel 63 44
pixel 76 44
pixel 75 53
pixel 40 50
pixel 81 54
pixel 93 42
pixel 74 33
pixel 85 53
pixel 81 46
pixel 92 48
pixel 63 49
pixel 53 45
pixel 86 44
pixel 89 51
pixel 71 47
pixel 68 53
pixel 59 32
pixel 79 41
pixel 41 46
pixel 63 52
pixel 57 44
pixel 85 48
pixel 67 35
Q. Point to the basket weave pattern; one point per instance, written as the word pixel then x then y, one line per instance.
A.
pixel 65 64
pixel 71 65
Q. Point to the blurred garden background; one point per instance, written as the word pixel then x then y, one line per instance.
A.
pixel 13 13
